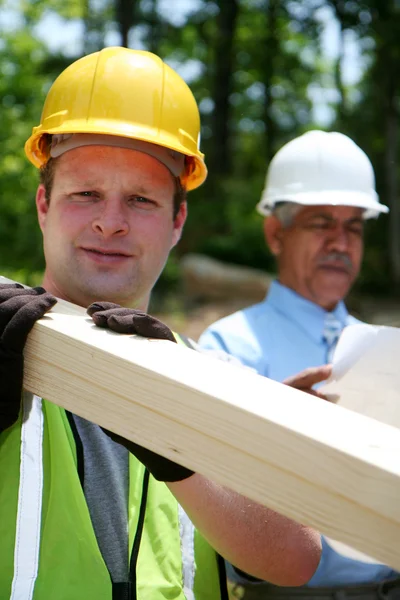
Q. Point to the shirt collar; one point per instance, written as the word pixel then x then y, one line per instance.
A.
pixel 306 314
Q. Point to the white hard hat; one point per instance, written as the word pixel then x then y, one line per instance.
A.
pixel 320 168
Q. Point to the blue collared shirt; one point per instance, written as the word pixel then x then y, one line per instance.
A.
pixel 280 337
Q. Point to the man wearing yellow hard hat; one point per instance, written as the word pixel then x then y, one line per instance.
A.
pixel 85 515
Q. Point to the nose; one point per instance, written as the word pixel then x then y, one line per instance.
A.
pixel 111 220
pixel 339 240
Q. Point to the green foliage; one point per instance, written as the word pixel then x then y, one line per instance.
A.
pixel 21 90
pixel 275 59
pixel 236 235
pixel 34 10
pixel 25 276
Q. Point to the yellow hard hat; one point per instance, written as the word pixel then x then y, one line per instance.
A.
pixel 127 93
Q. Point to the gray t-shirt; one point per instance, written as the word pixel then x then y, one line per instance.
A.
pixel 105 476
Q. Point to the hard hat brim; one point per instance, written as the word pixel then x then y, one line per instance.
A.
pixel 193 177
pixel 362 200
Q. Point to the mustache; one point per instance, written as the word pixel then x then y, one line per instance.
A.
pixel 336 257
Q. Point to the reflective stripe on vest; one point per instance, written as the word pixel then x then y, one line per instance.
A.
pixel 186 530
pixel 29 511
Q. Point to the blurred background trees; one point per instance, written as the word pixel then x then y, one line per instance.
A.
pixel 262 72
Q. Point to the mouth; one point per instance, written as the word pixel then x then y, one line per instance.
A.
pixel 335 268
pixel 106 251
pixel 106 254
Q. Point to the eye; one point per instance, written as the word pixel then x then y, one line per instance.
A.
pixel 142 202
pixel 356 228
pixel 320 224
pixel 85 195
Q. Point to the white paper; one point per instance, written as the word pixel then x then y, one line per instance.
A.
pixel 366 372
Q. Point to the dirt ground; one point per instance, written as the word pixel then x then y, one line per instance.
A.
pixel 193 320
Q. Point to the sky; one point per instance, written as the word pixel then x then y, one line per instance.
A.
pixel 65 36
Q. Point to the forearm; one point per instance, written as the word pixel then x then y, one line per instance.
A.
pixel 252 537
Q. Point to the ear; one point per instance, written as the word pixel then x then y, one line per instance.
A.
pixel 42 206
pixel 273 231
pixel 179 222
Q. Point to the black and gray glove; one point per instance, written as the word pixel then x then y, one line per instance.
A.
pixel 20 308
pixel 132 321
pixel 128 320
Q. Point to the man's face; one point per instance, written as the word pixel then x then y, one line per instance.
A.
pixel 109 226
pixel 319 255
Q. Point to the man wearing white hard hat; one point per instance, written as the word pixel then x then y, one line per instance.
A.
pixel 319 191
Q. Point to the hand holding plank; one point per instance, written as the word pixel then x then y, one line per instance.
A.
pixel 20 308
pixel 132 321
pixel 128 320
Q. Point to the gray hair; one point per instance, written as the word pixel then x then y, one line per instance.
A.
pixel 285 212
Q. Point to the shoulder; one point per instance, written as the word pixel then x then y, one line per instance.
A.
pixel 238 335
pixel 238 324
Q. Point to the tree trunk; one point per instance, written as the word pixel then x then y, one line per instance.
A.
pixel 124 16
pixel 271 45
pixel 93 38
pixel 391 179
pixel 342 107
pixel 220 157
pixel 388 62
pixel 339 10
pixel 155 29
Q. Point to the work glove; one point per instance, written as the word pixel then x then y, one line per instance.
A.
pixel 136 322
pixel 20 308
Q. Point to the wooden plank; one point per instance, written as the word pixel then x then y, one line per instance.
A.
pixel 317 463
